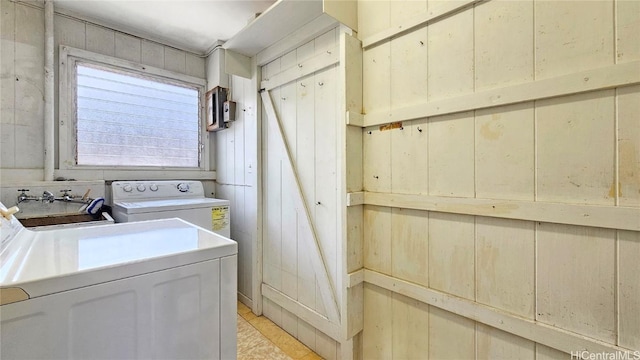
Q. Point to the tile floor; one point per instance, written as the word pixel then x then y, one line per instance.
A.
pixel 259 338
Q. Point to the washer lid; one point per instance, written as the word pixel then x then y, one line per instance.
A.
pixel 46 262
pixel 140 207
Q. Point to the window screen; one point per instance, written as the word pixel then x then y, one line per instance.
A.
pixel 128 120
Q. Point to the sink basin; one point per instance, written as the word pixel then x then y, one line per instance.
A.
pixel 64 221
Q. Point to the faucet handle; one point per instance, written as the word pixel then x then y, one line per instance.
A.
pixel 23 190
pixel 66 192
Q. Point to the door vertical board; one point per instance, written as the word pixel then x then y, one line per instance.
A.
pixel 563 46
pixel 628 28
pixel 409 67
pixel 451 155
pixel 575 148
pixel 377 239
pixel 378 316
pixel 497 344
pixel 450 61
pixel 503 43
pixel 505 256
pixel 629 289
pixel 451 254
pixel 628 146
pixel 450 336
pixel 409 158
pixel 410 245
pixel 504 153
pixel 410 334
pixel 575 279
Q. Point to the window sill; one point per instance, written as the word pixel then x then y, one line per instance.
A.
pixel 135 174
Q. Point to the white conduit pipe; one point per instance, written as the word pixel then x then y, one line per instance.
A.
pixel 49 88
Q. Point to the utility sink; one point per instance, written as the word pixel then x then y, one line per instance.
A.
pixel 65 221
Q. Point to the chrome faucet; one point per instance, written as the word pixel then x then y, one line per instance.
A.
pixel 47 196
pixel 23 196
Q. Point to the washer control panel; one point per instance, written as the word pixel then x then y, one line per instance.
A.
pixel 156 190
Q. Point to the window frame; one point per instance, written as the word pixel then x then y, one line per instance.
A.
pixel 67 113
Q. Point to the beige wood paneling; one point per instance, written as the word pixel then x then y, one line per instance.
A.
pixel 450 336
pixel 409 158
pixel 451 155
pixel 575 279
pixel 355 238
pixel 373 17
pixel 410 334
pixel 504 153
pixel 505 257
pixel 450 61
pixel 503 43
pixel 409 67
pixel 378 319
pixel 402 10
pixel 377 239
pixel 572 36
pixel 547 353
pixel 376 159
pixel 629 146
pixel 628 28
pixel 629 289
pixel 376 78
pixel 497 344
pixel 451 254
pixel 410 245
pixel 575 148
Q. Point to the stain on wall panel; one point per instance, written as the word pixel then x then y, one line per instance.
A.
pixel 575 279
pixel 503 43
pixel 496 344
pixel 575 148
pixel 629 290
pixel 504 152
pixel 450 61
pixel 410 245
pixel 505 253
pixel 377 238
pixel 572 36
pixel 629 146
pixel 451 254
pixel 451 155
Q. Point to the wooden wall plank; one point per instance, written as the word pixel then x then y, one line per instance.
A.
pixel 376 63
pixel 355 238
pixel 562 46
pixel 410 245
pixel 493 343
pixel 403 10
pixel 450 336
pixel 373 16
pixel 503 43
pixel 451 254
pixel 410 328
pixel 451 155
pixel 100 40
pixel 354 161
pixel 450 61
pixel 504 153
pixel 629 289
pixel 409 65
pixel 575 279
pixel 628 146
pixel 128 47
pixel 152 54
pixel 378 315
pixel 547 353
pixel 581 129
pixel 409 158
pixel 505 257
pixel 628 28
pixel 376 160
pixel 377 239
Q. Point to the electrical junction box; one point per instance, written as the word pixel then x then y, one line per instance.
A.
pixel 229 112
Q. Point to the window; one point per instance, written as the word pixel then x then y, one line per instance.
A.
pixel 119 115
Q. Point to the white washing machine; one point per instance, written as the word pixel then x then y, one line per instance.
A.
pixel 148 200
pixel 144 290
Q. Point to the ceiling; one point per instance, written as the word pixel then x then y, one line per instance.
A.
pixel 193 25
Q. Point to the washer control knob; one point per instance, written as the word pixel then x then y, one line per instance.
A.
pixel 141 187
pixel 153 187
pixel 183 187
pixel 127 188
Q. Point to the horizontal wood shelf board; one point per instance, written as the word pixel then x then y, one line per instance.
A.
pixel 529 329
pixel 608 77
pixel 612 217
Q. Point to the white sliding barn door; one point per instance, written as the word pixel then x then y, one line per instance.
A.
pixel 301 214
